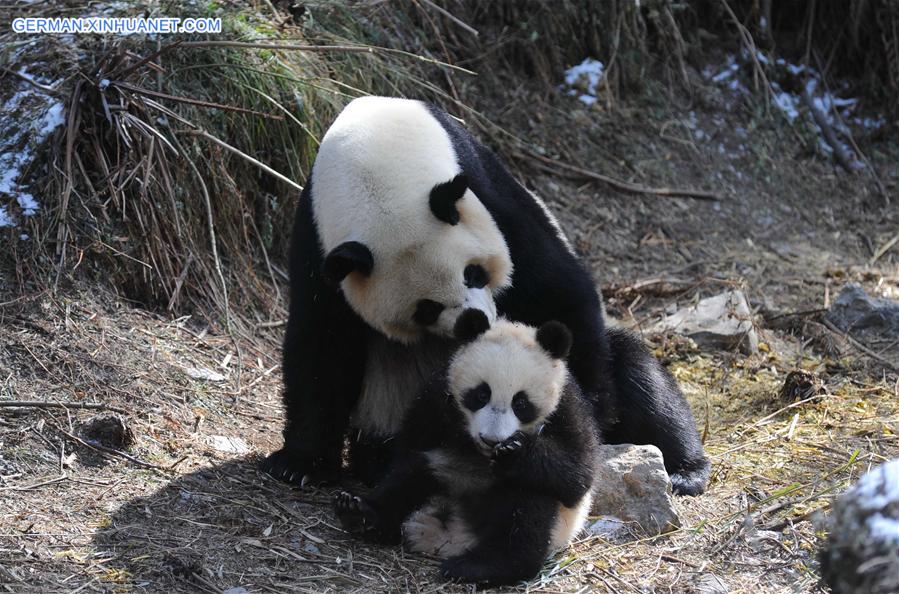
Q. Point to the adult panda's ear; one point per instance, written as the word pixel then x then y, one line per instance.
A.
pixel 444 197
pixel 470 324
pixel 554 338
pixel 349 256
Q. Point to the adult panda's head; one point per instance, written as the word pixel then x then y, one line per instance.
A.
pixel 508 378
pixel 404 236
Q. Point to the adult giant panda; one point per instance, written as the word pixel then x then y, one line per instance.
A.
pixel 406 221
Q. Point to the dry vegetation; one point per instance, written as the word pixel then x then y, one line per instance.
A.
pixel 119 292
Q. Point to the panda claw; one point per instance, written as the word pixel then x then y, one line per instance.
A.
pixel 303 481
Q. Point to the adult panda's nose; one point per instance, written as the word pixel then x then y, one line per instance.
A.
pixel 470 324
pixel 488 441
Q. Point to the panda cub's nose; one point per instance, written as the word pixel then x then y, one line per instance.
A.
pixel 488 441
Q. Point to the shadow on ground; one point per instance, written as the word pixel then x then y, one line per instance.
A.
pixel 229 526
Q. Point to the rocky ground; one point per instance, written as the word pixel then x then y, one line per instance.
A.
pixel 788 425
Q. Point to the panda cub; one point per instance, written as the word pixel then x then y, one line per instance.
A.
pixel 494 463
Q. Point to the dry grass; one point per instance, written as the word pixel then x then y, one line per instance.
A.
pixel 184 516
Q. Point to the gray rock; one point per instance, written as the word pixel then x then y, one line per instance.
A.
pixel 710 583
pixel 633 486
pixel 856 311
pixel 722 322
pixel 862 550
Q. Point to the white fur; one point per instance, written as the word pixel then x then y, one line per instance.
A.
pixel 570 522
pixel 372 180
pixel 508 358
pixel 394 375
pixel 554 222
pixel 425 532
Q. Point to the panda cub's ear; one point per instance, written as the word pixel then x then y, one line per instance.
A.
pixel 444 197
pixel 554 338
pixel 470 324
pixel 349 256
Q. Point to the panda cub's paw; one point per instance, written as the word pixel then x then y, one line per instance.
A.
pixel 467 568
pixel 512 445
pixel 355 515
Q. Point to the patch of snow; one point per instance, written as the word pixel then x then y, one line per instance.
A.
pixel 883 528
pixel 788 103
pixel 22 139
pixel 586 74
pixel 23 236
pixel 879 487
pixel 53 119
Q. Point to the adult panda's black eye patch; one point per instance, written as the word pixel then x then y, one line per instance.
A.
pixel 427 312
pixel 523 408
pixel 476 398
pixel 476 276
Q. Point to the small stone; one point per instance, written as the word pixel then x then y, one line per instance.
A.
pixel 229 445
pixel 203 373
pixel 610 529
pixel 722 322
pixel 862 550
pixel 710 583
pixel 799 385
pixel 311 547
pixel 632 485
pixel 855 311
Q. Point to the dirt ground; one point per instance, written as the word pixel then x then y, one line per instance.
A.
pixel 187 510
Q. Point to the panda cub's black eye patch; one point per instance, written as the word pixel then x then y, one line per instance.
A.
pixel 523 408
pixel 476 398
pixel 427 312
pixel 476 277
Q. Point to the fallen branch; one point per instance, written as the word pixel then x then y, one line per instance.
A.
pixel 242 154
pixel 191 101
pixel 626 186
pixel 884 249
pixel 363 49
pixel 860 346
pixel 841 153
pixel 452 17
pixel 111 451
pixel 43 404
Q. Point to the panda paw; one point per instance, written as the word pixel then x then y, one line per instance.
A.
pixel 298 468
pixel 465 569
pixel 355 515
pixel 513 444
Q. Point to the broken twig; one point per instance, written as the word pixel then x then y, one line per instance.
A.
pixel 43 404
pixel 627 186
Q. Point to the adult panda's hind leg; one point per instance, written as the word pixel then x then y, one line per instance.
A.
pixel 651 409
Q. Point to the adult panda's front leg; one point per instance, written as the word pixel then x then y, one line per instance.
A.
pixel 651 409
pixel 323 364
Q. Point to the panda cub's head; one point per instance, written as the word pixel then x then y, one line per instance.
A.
pixel 508 378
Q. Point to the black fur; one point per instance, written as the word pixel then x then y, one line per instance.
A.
pixel 444 197
pixel 350 256
pixel 470 324
pixel 427 312
pixel 512 514
pixel 555 339
pixel 476 276
pixel 324 355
